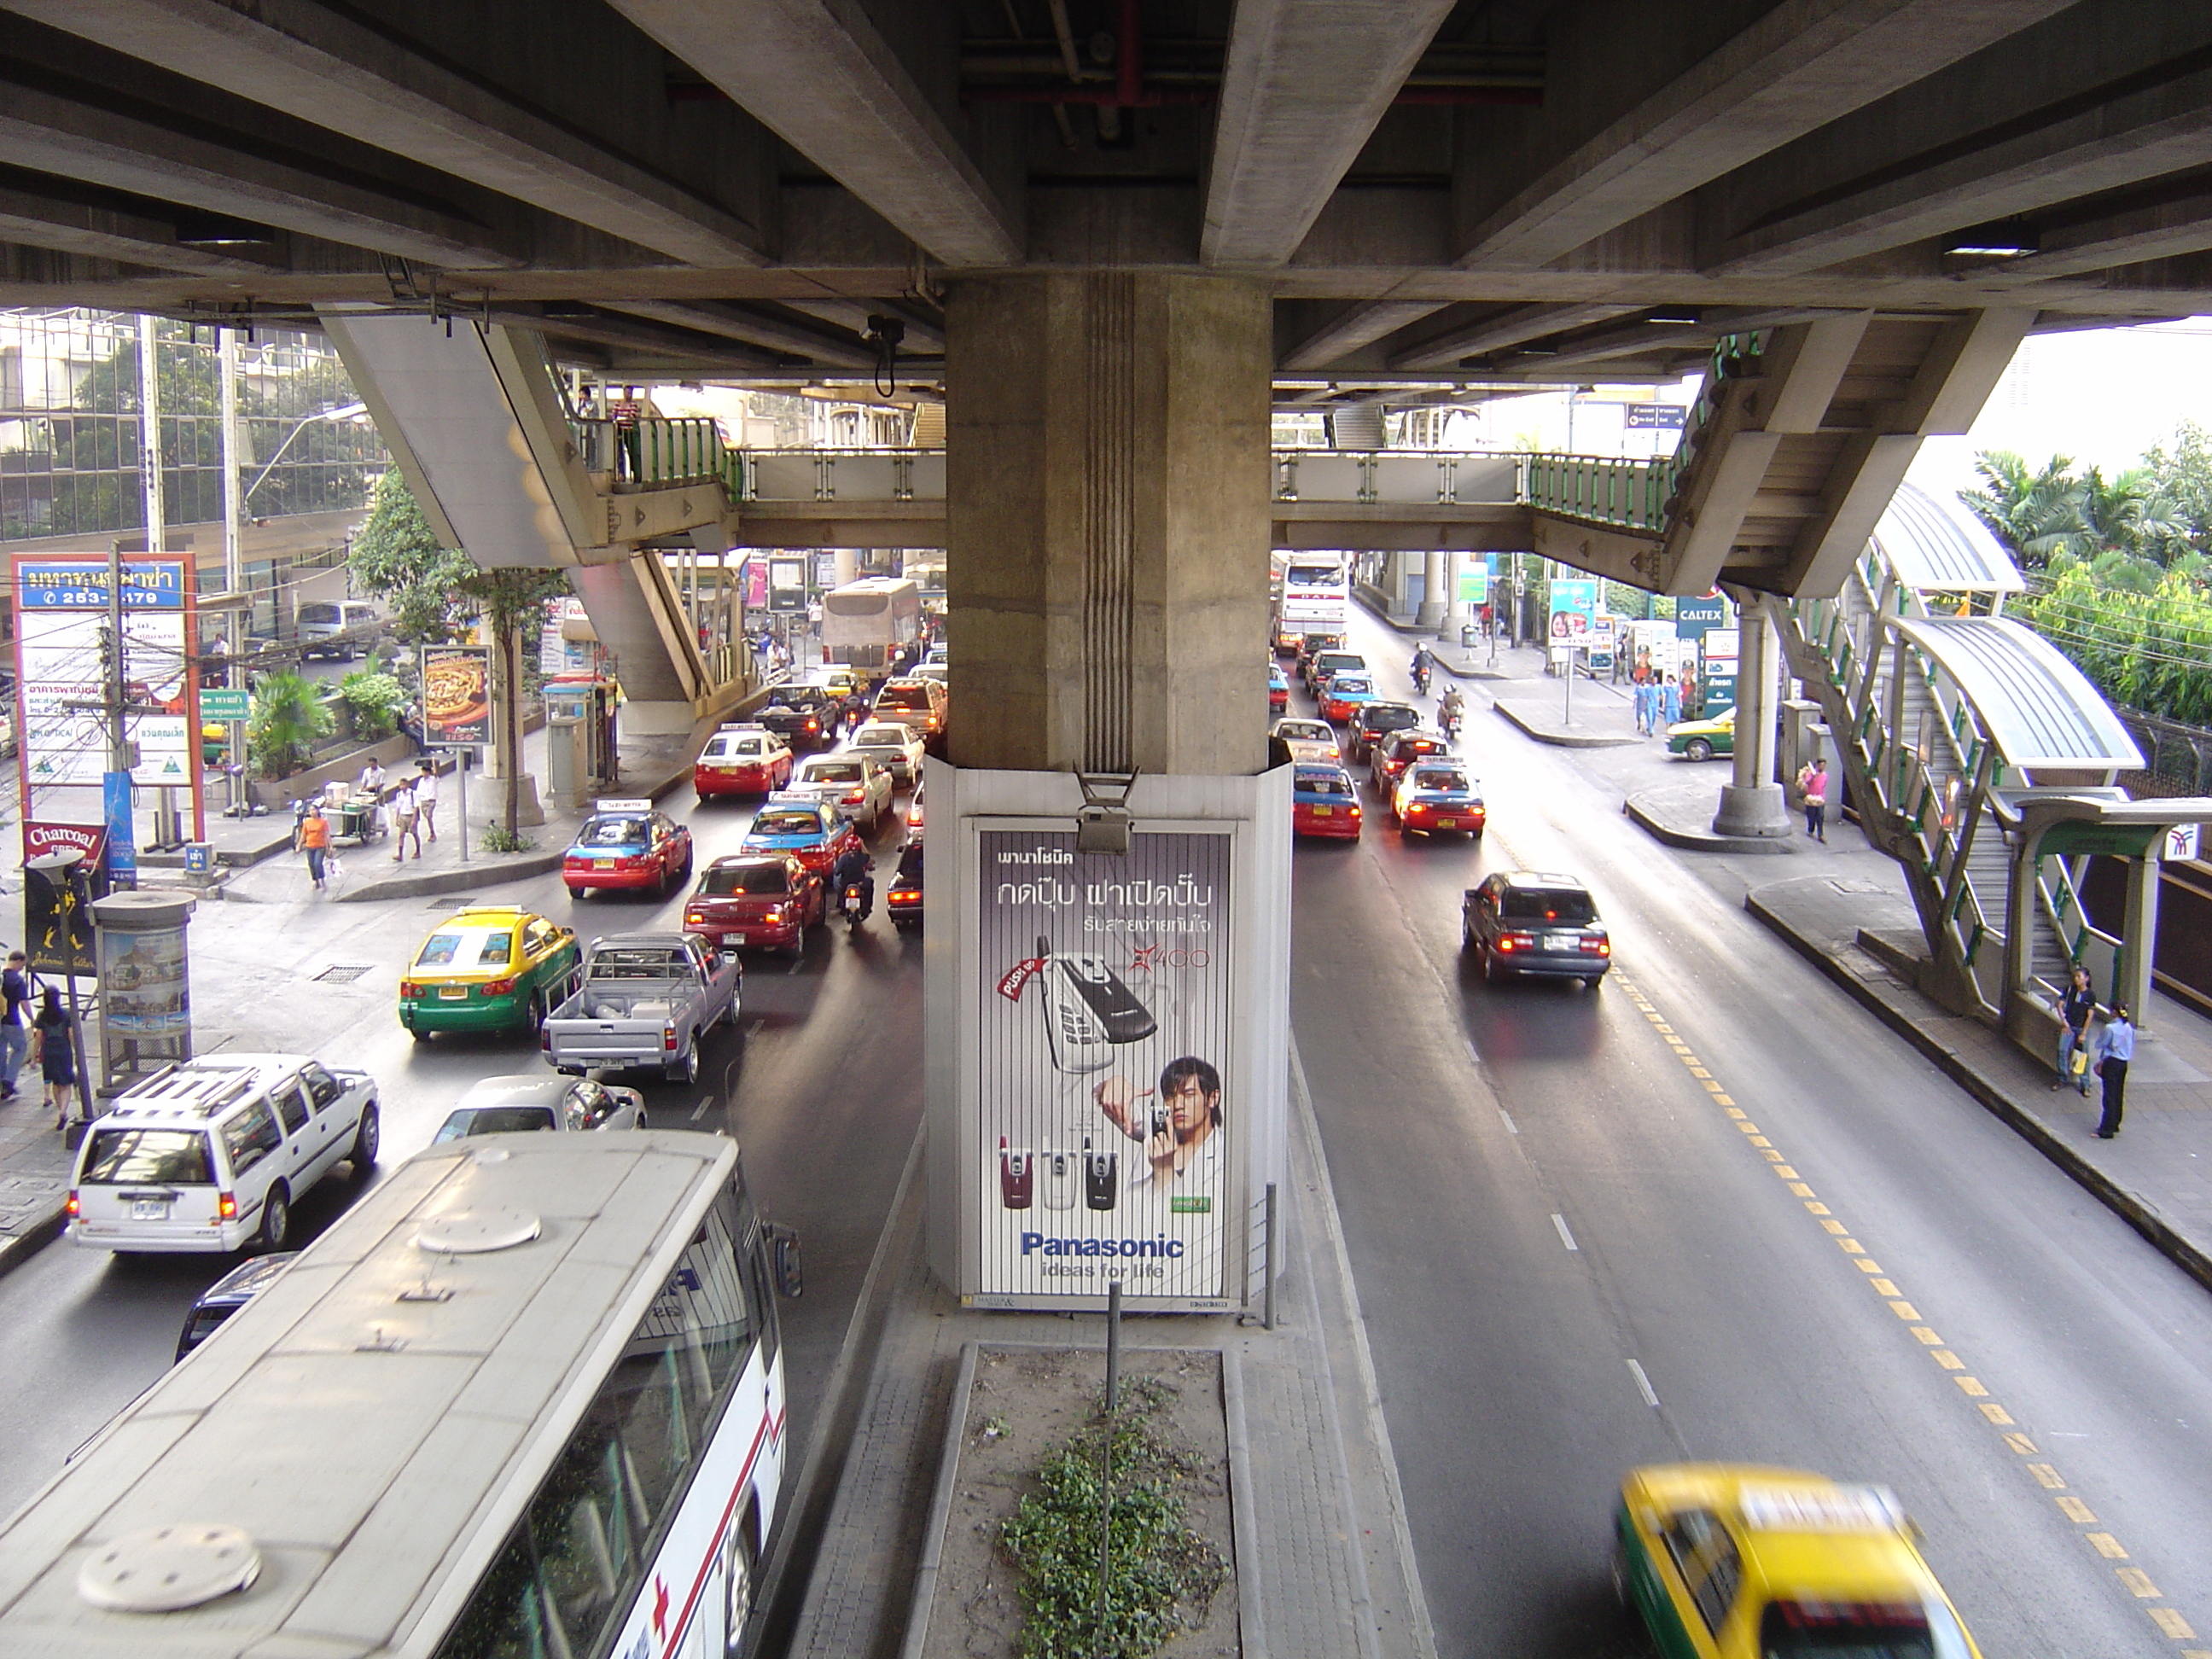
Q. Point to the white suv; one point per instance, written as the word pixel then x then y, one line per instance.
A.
pixel 211 1154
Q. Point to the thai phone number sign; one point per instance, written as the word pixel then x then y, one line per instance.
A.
pixel 62 618
pixel 1105 1107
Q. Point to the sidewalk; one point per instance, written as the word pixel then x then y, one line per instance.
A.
pixel 34 1172
pixel 2156 1175
pixel 457 862
pixel 1324 1564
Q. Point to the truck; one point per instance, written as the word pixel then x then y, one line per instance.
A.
pixel 642 1002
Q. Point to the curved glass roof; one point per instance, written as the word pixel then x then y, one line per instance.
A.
pixel 2038 708
pixel 1935 543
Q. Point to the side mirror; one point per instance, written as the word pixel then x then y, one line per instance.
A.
pixel 783 1258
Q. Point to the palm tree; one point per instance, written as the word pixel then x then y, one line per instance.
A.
pixel 288 717
pixel 2035 515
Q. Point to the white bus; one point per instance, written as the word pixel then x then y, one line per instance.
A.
pixel 1313 596
pixel 864 622
pixel 525 1400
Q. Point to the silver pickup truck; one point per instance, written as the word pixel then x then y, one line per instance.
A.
pixel 643 1000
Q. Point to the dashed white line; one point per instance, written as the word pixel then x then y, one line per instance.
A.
pixel 700 1110
pixel 1511 1127
pixel 1644 1384
pixel 1565 1237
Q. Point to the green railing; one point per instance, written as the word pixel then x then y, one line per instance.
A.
pixel 1633 494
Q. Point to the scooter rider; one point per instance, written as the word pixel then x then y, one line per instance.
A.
pixel 1450 709
pixel 854 868
pixel 1420 669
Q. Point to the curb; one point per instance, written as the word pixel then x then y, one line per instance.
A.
pixel 2141 1216
pixel 19 1248
pixel 1560 740
pixel 1699 841
pixel 516 867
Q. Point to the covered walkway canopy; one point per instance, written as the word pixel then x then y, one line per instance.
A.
pixel 2038 710
pixel 1934 544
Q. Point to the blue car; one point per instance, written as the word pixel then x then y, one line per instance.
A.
pixel 1436 797
pixel 807 827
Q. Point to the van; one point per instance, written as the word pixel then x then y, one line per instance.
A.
pixel 340 630
pixel 211 1154
pixel 917 703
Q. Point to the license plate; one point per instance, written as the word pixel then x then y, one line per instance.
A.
pixel 1324 811
pixel 735 938
pixel 1562 941
pixel 150 1209
pixel 602 864
pixel 1446 823
pixel 453 993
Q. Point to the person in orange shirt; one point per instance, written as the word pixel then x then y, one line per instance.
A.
pixel 313 837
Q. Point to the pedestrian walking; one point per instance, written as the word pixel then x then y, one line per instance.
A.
pixel 2115 1047
pixel 1670 704
pixel 425 803
pixel 312 836
pixel 1813 783
pixel 15 1022
pixel 57 1055
pixel 2074 1010
pixel 406 807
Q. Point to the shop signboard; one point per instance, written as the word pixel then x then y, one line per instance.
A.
pixel 1574 609
pixel 456 695
pixel 1692 616
pixel 787 584
pixel 1474 586
pixel 62 618
pixel 1106 1086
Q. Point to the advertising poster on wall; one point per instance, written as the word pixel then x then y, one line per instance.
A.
pixel 61 609
pixel 456 695
pixel 1107 1099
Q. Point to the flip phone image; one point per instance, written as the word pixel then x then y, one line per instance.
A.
pixel 1059 1180
pixel 1016 1173
pixel 1088 1010
pixel 1102 1178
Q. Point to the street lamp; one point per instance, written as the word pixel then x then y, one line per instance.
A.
pixel 344 412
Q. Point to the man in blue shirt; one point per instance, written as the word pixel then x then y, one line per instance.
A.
pixel 2115 1047
pixel 15 1022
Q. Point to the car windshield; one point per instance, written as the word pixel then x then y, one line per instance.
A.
pixel 909 865
pixel 467 947
pixel 612 832
pixel 318 613
pixel 1305 732
pixel 723 879
pixel 903 696
pixel 746 746
pixel 1325 784
pixel 1414 748
pixel 494 1121
pixel 786 823
pixel 1437 777
pixel 880 737
pixel 798 697
pixel 1341 684
pixel 1860 1630
pixel 1389 717
pixel 171 1158
pixel 1568 904
pixel 834 772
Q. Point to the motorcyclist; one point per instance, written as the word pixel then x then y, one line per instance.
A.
pixel 1451 709
pixel 854 868
pixel 1420 669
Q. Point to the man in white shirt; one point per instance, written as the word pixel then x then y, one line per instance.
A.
pixel 371 781
pixel 1183 1143
pixel 426 800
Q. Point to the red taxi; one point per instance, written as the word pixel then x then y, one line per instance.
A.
pixel 742 760
pixel 626 844
pixel 1323 802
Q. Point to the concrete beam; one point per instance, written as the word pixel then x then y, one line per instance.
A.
pixel 769 332
pixel 818 73
pixel 320 66
pixel 1801 66
pixel 1359 327
pixel 924 334
pixel 50 133
pixel 109 232
pixel 2109 145
pixel 1304 84
pixel 1514 328
pixel 2165 230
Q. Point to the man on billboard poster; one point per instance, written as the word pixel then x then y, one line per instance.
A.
pixel 1182 1151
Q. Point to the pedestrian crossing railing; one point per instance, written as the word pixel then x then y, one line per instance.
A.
pixel 2079 939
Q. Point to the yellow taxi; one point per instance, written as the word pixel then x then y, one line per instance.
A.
pixel 490 968
pixel 1736 1561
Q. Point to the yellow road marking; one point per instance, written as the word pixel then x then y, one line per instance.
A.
pixel 1998 1415
pixel 1761 1140
pixel 1788 1173
pixel 2137 1580
pixel 2023 1445
pixel 1902 1309
pixel 1926 1336
pixel 1851 1247
pixel 2074 1509
pixel 1799 1188
pixel 1748 1128
pixel 2106 1545
pixel 2045 1476
pixel 1972 1385
pixel 1771 1155
pixel 1736 1112
pixel 1948 1360
pixel 1865 1264
pixel 1723 1100
pixel 1883 1287
pixel 1832 1225
pixel 2172 1623
pixel 1816 1209
pixel 1697 1070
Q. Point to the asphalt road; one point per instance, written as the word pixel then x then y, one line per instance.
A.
pixel 1573 1257
pixel 818 1084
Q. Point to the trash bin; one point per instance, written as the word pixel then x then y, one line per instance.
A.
pixel 1468 633
pixel 199 858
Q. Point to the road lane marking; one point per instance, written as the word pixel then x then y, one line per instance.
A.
pixel 700 1110
pixel 1511 1127
pixel 1565 1237
pixel 1643 1385
pixel 2169 1620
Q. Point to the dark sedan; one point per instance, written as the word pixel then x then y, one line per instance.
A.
pixel 1526 921
pixel 804 716
pixel 1374 722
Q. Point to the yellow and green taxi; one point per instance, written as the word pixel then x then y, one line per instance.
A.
pixel 1703 739
pixel 1736 1561
pixel 487 969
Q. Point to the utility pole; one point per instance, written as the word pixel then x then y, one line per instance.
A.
pixel 116 790
pixel 233 574
pixel 149 437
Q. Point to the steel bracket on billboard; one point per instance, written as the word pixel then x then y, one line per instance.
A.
pixel 1102 824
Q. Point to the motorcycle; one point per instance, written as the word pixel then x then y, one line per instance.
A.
pixel 855 901
pixel 1421 678
pixel 1449 715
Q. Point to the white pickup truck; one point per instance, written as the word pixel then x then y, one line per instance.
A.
pixel 643 1001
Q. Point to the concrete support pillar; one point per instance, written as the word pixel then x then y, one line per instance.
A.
pixel 845 565
pixel 1436 591
pixel 2131 982
pixel 1754 804
pixel 1107 522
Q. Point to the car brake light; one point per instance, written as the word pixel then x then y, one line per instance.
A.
pixel 668 1038
pixel 498 987
pixel 1597 947
pixel 409 988
pixel 854 797
pixel 1355 812
pixel 70 1207
pixel 694 918
pixel 1517 942
pixel 773 915
pixel 226 1207
pixel 813 726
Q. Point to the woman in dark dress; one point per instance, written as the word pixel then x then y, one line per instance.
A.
pixel 57 1055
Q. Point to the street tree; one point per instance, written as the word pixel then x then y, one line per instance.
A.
pixel 398 558
pixel 511 602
